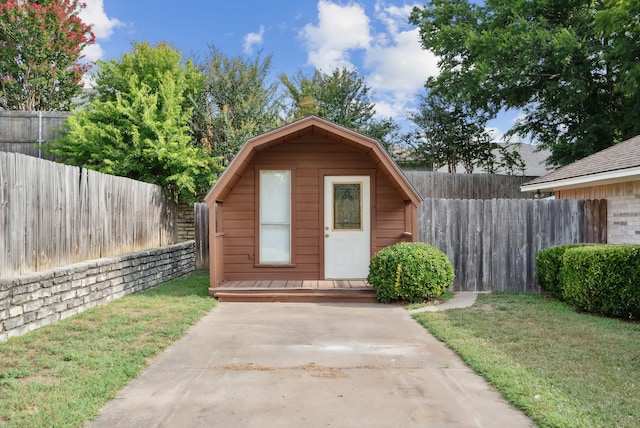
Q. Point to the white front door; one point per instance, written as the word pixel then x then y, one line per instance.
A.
pixel 347 227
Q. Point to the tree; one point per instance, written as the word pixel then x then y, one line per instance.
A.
pixel 570 66
pixel 341 97
pixel 237 103
pixel 40 52
pixel 451 133
pixel 137 125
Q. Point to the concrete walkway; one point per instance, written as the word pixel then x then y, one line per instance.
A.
pixel 308 365
pixel 461 299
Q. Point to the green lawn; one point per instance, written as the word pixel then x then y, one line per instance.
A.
pixel 62 374
pixel 564 369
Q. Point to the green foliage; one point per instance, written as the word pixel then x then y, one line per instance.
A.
pixel 571 67
pixel 237 103
pixel 410 271
pixel 450 133
pixel 341 97
pixel 549 263
pixel 138 124
pixel 40 48
pixel 603 279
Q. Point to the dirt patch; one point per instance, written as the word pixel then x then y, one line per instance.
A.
pixel 250 367
pixel 322 371
pixel 314 370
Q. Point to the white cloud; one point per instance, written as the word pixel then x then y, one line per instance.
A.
pixel 102 26
pixel 253 39
pixel 92 52
pixel 340 30
pixel 393 62
pixel 402 65
pixel 398 65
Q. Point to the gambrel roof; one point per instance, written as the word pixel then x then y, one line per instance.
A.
pixel 312 125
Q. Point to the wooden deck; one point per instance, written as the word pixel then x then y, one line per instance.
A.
pixel 346 291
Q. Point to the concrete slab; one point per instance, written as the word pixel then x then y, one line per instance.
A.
pixel 461 299
pixel 311 365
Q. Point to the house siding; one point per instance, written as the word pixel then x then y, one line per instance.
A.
pixel 310 157
pixel 623 208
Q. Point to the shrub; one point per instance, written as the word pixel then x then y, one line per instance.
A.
pixel 410 271
pixel 603 279
pixel 549 263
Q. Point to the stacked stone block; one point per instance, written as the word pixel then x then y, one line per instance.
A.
pixel 36 299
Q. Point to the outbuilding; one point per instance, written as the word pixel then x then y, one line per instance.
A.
pixel 308 201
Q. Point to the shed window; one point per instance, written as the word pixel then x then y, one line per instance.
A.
pixel 275 217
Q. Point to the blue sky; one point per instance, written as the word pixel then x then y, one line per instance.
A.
pixel 371 35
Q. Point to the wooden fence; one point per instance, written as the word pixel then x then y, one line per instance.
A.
pixel 53 215
pixel 26 132
pixel 492 243
pixel 437 185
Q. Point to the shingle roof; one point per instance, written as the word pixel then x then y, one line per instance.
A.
pixel 621 156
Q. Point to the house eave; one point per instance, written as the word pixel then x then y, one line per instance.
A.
pixel 599 179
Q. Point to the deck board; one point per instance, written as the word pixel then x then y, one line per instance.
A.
pixel 309 291
pixel 294 284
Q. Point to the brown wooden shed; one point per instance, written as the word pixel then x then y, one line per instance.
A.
pixel 308 201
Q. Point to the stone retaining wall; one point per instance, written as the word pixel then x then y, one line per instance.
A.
pixel 34 300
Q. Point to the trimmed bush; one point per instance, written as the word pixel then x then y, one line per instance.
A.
pixel 603 279
pixel 410 271
pixel 549 263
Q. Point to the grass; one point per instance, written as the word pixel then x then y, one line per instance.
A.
pixel 561 367
pixel 62 374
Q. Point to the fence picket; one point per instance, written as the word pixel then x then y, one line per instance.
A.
pixel 492 244
pixel 52 215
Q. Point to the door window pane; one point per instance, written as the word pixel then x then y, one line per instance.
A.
pixel 347 206
pixel 275 216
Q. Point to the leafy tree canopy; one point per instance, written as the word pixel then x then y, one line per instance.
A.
pixel 40 49
pixel 137 125
pixel 238 102
pixel 341 97
pixel 451 133
pixel 571 66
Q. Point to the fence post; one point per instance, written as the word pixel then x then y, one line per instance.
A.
pixel 201 215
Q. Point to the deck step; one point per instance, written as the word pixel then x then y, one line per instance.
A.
pixel 300 295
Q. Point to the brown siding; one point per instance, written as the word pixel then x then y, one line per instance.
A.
pixel 623 208
pixel 307 156
pixel 390 215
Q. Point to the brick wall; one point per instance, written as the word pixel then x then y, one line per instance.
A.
pixel 623 219
pixel 623 208
pixel 34 300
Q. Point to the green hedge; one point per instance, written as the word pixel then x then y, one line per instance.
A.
pixel 603 279
pixel 410 271
pixel 549 263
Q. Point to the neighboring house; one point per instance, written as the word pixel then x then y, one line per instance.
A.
pixel 533 158
pixel 310 200
pixel 612 174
